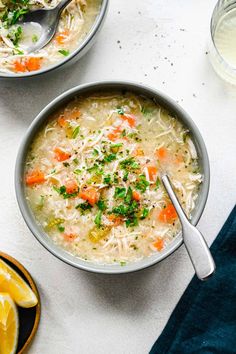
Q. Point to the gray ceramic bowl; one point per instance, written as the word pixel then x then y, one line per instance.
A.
pixel 39 233
pixel 83 47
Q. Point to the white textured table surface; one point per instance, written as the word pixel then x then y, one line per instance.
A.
pixel 162 43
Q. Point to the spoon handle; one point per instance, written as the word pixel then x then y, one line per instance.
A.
pixel 194 241
pixel 62 4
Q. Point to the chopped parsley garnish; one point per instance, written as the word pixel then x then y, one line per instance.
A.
pixel 120 192
pixel 64 52
pixel 77 171
pixel 35 38
pixel 110 158
pixel 125 177
pixel 142 183
pixel 93 168
pixel 129 163
pixel 128 211
pixel 95 152
pixel 144 214
pixel 83 207
pixel 98 218
pixel 17 51
pixel 107 179
pixel 120 111
pixel 116 145
pixel 12 17
pixel 122 263
pixel 15 35
pixel 62 192
pixel 66 164
pixel 135 137
pixel 101 205
pixel 60 228
pixel 76 161
pixel 75 132
pixel 128 196
pixel 132 221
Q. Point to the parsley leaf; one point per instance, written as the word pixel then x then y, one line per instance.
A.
pixel 75 132
pixel 120 192
pixel 35 38
pixel 142 184
pixel 62 191
pixel 60 228
pixel 110 158
pixel 107 179
pixel 83 207
pixel 98 218
pixel 95 152
pixel 128 196
pixel 64 52
pixel 120 111
pixel 132 221
pixel 101 205
pixel 125 177
pixel 145 213
pixel 129 163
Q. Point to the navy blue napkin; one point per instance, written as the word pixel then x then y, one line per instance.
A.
pixel 204 320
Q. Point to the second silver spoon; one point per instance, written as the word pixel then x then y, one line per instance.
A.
pixel 46 21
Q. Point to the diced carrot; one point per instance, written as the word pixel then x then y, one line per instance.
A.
pixel 130 118
pixel 136 196
pixel 90 194
pixel 161 153
pixel 61 155
pixel 71 186
pixel 35 177
pixel 168 214
pixel 138 152
pixel 69 237
pixel 62 121
pixel 33 63
pixel 116 220
pixel 19 67
pixel 114 134
pixel 61 36
pixel 152 172
pixel 159 244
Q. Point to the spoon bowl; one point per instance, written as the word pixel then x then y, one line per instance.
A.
pixel 46 22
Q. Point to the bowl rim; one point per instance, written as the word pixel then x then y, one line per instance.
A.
pixel 68 95
pixel 87 39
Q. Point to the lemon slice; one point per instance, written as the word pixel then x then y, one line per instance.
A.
pixel 9 325
pixel 12 283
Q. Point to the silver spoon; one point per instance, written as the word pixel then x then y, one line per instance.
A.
pixel 48 20
pixel 195 244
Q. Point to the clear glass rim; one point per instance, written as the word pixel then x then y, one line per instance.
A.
pixel 228 67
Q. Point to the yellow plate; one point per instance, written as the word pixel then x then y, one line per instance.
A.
pixel 28 317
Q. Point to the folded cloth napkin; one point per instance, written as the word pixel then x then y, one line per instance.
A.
pixel 204 320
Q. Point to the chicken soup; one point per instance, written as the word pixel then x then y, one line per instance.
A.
pixel 93 177
pixel 75 23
